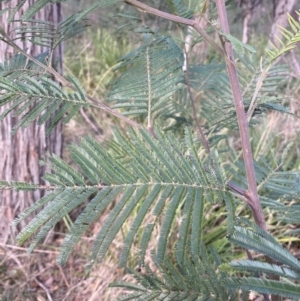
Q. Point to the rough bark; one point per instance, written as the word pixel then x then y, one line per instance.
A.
pixel 281 9
pixel 20 154
pixel 250 7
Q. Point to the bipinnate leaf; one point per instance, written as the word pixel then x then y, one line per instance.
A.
pixel 155 175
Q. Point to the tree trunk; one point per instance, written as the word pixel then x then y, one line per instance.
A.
pixel 280 12
pixel 250 7
pixel 20 154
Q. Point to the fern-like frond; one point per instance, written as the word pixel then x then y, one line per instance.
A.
pixel 18 66
pixel 264 243
pixel 154 73
pixel 261 87
pixel 264 68
pixel 186 8
pixel 48 34
pixel 29 98
pixel 290 39
pixel 196 279
pixel 38 5
pixel 18 186
pixel 284 289
pixel 260 91
pixel 156 175
pixel 283 185
pixel 176 111
pixel 264 267
pixel 216 98
pixel 276 188
pixel 287 266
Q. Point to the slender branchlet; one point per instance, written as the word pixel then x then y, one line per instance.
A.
pixel 177 19
pixel 65 83
pixel 252 193
pixel 187 81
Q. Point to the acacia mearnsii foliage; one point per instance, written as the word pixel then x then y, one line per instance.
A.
pixel 158 175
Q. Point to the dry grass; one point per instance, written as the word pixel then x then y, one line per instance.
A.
pixel 276 131
pixel 38 277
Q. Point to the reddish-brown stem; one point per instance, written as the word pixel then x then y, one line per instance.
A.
pixel 252 193
pixel 177 19
pixel 146 8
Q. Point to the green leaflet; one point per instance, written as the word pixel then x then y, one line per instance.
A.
pixel 283 289
pixel 30 98
pixel 237 45
pixel 154 175
pixel 264 243
pixel 154 73
pixel 289 41
pixel 177 281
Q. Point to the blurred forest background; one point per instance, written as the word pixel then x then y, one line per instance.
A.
pixel 91 57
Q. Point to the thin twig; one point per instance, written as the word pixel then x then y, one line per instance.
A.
pixel 26 249
pixel 187 81
pixel 63 275
pixel 177 19
pixel 252 193
pixel 44 288
pixel 90 122
pixel 255 94
pixel 238 191
pixel 65 82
